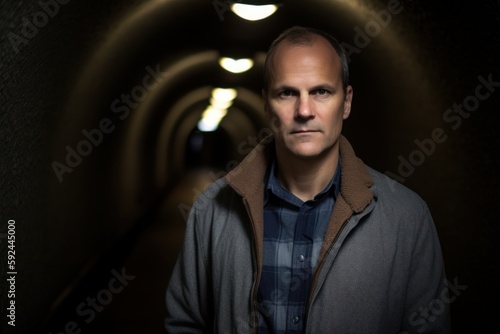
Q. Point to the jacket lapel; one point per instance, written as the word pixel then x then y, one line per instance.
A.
pixel 355 193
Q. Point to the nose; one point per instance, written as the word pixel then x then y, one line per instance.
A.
pixel 305 109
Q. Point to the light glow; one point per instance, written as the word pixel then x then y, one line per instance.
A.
pixel 214 113
pixel 218 104
pixel 253 12
pixel 224 94
pixel 236 65
pixel 221 100
pixel 207 125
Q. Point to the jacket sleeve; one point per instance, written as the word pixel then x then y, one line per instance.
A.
pixel 188 300
pixel 427 301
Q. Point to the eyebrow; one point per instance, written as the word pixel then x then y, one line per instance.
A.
pixel 324 86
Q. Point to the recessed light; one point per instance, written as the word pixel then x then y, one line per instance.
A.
pixel 236 65
pixel 253 12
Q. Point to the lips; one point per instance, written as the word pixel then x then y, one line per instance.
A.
pixel 303 131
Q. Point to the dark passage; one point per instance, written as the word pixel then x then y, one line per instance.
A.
pixel 101 155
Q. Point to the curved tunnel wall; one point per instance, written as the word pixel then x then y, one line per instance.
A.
pixel 120 56
pixel 64 79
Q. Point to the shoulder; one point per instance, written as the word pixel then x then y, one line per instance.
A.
pixel 390 192
pixel 217 216
pixel 401 210
pixel 215 194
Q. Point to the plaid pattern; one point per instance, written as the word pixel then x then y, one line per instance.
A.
pixel 293 235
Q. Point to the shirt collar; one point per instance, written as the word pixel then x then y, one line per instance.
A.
pixel 274 187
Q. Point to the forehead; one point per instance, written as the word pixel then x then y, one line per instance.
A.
pixel 315 58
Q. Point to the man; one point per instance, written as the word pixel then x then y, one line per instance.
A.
pixel 302 237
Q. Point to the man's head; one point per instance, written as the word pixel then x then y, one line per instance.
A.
pixel 306 93
pixel 298 35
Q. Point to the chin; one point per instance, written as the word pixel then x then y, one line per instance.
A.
pixel 311 150
pixel 307 151
pixel 307 155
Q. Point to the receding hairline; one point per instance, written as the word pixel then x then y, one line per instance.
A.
pixel 305 36
pixel 310 42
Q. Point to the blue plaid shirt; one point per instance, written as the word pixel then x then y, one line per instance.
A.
pixel 293 235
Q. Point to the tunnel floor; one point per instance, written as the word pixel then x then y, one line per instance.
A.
pixel 140 306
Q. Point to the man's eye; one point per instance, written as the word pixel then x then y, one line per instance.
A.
pixel 322 92
pixel 286 93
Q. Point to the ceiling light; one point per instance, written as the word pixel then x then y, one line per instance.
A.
pixel 210 119
pixel 224 94
pixel 236 65
pixel 221 100
pixel 218 104
pixel 214 113
pixel 253 12
pixel 207 125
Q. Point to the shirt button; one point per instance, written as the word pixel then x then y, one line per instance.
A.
pixel 295 320
pixel 301 258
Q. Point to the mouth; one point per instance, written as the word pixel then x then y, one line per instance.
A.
pixel 303 131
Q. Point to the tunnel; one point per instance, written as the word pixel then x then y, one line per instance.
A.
pixel 103 153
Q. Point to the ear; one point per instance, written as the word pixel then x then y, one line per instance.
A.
pixel 347 102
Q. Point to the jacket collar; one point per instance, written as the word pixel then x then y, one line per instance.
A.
pixel 248 178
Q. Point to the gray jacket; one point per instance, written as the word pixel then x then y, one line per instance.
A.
pixel 380 269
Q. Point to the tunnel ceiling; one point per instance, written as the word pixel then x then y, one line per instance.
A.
pixel 163 33
pixel 168 31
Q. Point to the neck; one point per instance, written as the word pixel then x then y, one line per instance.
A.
pixel 306 177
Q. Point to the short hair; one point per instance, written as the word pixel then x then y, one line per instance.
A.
pixel 298 35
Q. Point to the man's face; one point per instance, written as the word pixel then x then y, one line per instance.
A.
pixel 306 101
